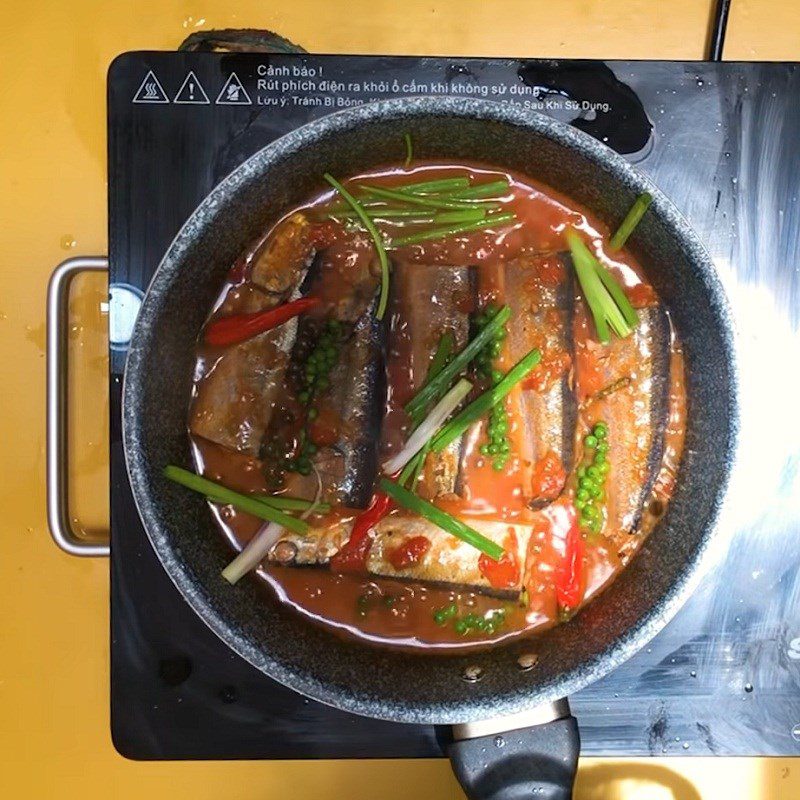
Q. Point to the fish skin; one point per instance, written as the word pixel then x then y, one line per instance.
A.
pixel 541 317
pixel 344 471
pixel 426 301
pixel 636 414
pixel 358 397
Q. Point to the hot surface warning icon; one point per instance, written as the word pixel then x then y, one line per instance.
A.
pixel 150 90
pixel 233 93
pixel 191 91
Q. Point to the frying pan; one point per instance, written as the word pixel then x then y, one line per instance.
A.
pixel 512 733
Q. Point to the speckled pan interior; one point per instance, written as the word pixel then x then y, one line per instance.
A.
pixel 403 686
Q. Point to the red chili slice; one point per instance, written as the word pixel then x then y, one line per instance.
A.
pixel 570 572
pixel 353 556
pixel 239 327
pixel 409 553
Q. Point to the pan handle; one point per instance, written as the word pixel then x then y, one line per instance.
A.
pixel 533 754
pixel 57 441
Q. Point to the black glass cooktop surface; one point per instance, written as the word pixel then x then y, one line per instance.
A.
pixel 721 141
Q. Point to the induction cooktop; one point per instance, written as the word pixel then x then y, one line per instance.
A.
pixel 721 141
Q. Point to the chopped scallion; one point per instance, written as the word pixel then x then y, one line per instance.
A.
pixel 632 219
pixel 478 407
pixel 221 494
pixel 376 238
pixel 445 521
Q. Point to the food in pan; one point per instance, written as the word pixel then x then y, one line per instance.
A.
pixel 437 405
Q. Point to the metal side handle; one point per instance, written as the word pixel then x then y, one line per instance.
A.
pixel 57 420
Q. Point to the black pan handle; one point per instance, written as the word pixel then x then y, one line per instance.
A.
pixel 496 760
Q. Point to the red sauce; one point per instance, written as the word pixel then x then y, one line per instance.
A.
pixel 398 613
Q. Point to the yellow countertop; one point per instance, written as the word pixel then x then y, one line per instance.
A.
pixel 54 719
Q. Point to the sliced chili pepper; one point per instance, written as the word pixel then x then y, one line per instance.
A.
pixel 239 327
pixel 570 572
pixel 504 573
pixel 410 552
pixel 353 556
pixel 548 476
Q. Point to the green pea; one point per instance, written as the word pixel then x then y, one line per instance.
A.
pixel 600 430
pixel 439 617
pixel 334 325
pixel 593 472
pixel 604 468
pixel 581 472
pixel 602 446
pixel 601 496
pixel 505 447
pixel 484 448
pixel 596 493
pixel 312 413
pixel 595 525
pixel 586 483
pixel 599 458
pixel 590 511
pixel 461 627
pixel 491 310
pixel 480 320
pixel 304 397
pixel 492 449
pixel 451 610
pixel 322 382
pixel 502 426
pixel 579 503
pixel 495 349
pixel 497 376
pixel 590 441
pixel 498 464
pixel 582 494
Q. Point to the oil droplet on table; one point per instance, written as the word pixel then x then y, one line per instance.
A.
pixel 68 242
pixel 748 687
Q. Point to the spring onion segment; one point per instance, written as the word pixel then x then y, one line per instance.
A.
pixel 432 201
pixel 442 519
pixel 409 150
pixel 604 305
pixel 254 553
pixel 632 219
pixel 376 238
pixel 221 494
pixel 453 230
pixel 478 407
pixel 434 388
pixel 428 427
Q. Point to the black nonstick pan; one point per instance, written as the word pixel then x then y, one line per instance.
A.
pixel 512 735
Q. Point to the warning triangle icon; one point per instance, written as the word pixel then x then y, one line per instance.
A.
pixel 150 90
pixel 233 93
pixel 191 91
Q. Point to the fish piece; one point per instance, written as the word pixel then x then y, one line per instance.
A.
pixel 540 411
pixel 348 412
pixel 356 400
pixel 540 292
pixel 426 302
pixel 448 561
pixel 629 383
pixel 287 249
pixel 238 387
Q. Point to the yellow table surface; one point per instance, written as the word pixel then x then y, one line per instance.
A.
pixel 54 719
